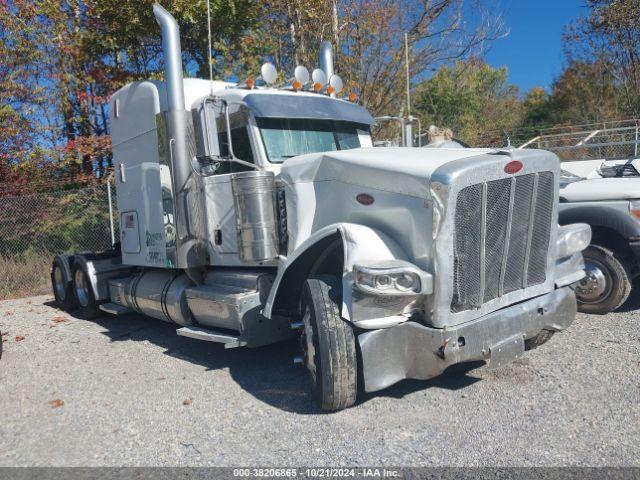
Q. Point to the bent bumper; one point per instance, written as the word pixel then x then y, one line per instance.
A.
pixel 411 350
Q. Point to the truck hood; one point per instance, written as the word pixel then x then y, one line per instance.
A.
pixel 400 170
pixel 597 189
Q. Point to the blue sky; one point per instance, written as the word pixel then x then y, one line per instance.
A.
pixel 533 49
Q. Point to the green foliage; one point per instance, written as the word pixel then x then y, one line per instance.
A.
pixel 586 92
pixel 610 35
pixel 470 98
pixel 64 221
pixel 537 109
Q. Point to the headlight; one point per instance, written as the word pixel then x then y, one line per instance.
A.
pixel 572 239
pixel 634 208
pixel 392 278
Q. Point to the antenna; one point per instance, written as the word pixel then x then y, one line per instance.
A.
pixel 209 45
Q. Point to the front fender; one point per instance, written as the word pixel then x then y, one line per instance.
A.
pixel 614 215
pixel 360 244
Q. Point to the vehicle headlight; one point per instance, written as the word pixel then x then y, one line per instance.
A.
pixel 572 239
pixel 392 278
pixel 634 208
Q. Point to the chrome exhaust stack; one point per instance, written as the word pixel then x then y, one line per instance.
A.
pixel 172 52
pixel 325 60
pixel 176 149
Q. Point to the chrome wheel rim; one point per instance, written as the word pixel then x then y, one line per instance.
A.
pixel 596 285
pixel 59 284
pixel 82 288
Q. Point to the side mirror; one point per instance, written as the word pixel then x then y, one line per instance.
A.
pixel 205 118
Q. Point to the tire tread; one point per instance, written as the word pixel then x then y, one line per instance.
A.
pixel 338 370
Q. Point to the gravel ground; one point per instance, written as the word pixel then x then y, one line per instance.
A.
pixel 128 391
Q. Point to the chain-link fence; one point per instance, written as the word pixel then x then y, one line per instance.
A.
pixel 616 140
pixel 36 226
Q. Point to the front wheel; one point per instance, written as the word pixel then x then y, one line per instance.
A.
pixel 329 345
pixel 607 284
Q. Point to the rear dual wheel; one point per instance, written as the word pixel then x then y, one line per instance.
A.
pixel 76 295
pixel 62 290
pixel 87 305
pixel 329 346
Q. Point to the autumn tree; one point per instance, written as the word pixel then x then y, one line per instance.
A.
pixel 75 53
pixel 368 40
pixel 609 37
pixel 472 98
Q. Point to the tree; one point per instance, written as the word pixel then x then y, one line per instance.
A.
pixel 472 98
pixel 537 110
pixel 586 92
pixel 610 35
pixel 368 40
pixel 75 53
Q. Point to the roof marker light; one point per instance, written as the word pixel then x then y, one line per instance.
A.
pixel 269 73
pixel 336 84
pixel 301 74
pixel 319 78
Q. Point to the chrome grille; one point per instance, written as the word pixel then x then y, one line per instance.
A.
pixel 501 238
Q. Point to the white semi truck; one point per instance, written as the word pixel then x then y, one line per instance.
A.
pixel 251 214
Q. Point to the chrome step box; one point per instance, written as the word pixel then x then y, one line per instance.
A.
pixel 229 341
pixel 115 309
pixel 231 301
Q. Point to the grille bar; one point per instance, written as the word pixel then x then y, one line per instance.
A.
pixel 501 238
pixel 531 225
pixel 503 267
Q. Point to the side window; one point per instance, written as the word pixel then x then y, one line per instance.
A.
pixel 240 140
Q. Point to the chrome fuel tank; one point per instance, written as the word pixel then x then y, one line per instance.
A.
pixel 256 218
pixel 157 293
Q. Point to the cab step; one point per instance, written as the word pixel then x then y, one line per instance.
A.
pixel 198 333
pixel 115 309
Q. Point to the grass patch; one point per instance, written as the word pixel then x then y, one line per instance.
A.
pixel 25 276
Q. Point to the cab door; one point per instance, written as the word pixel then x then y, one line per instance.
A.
pixel 221 220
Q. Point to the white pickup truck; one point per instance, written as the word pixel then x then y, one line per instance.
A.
pixel 606 195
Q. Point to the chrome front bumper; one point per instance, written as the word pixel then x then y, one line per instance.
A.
pixel 412 350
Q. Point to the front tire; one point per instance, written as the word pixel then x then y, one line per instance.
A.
pixel 329 345
pixel 607 284
pixel 83 293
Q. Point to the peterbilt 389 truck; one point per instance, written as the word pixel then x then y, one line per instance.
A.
pixel 253 213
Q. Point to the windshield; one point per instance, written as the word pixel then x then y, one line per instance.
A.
pixel 289 137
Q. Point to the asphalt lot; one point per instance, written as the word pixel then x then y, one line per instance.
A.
pixel 128 391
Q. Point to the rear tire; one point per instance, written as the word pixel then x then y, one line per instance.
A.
pixel 83 294
pixel 329 345
pixel 62 290
pixel 607 284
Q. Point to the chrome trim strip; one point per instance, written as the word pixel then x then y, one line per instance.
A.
pixel 503 269
pixel 483 238
pixel 532 212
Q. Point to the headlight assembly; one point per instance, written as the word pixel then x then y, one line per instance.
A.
pixel 572 239
pixel 392 278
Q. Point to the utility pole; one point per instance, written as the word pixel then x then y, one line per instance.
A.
pixel 406 61
pixel 408 126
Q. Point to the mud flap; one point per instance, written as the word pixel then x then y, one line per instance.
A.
pixel 506 351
